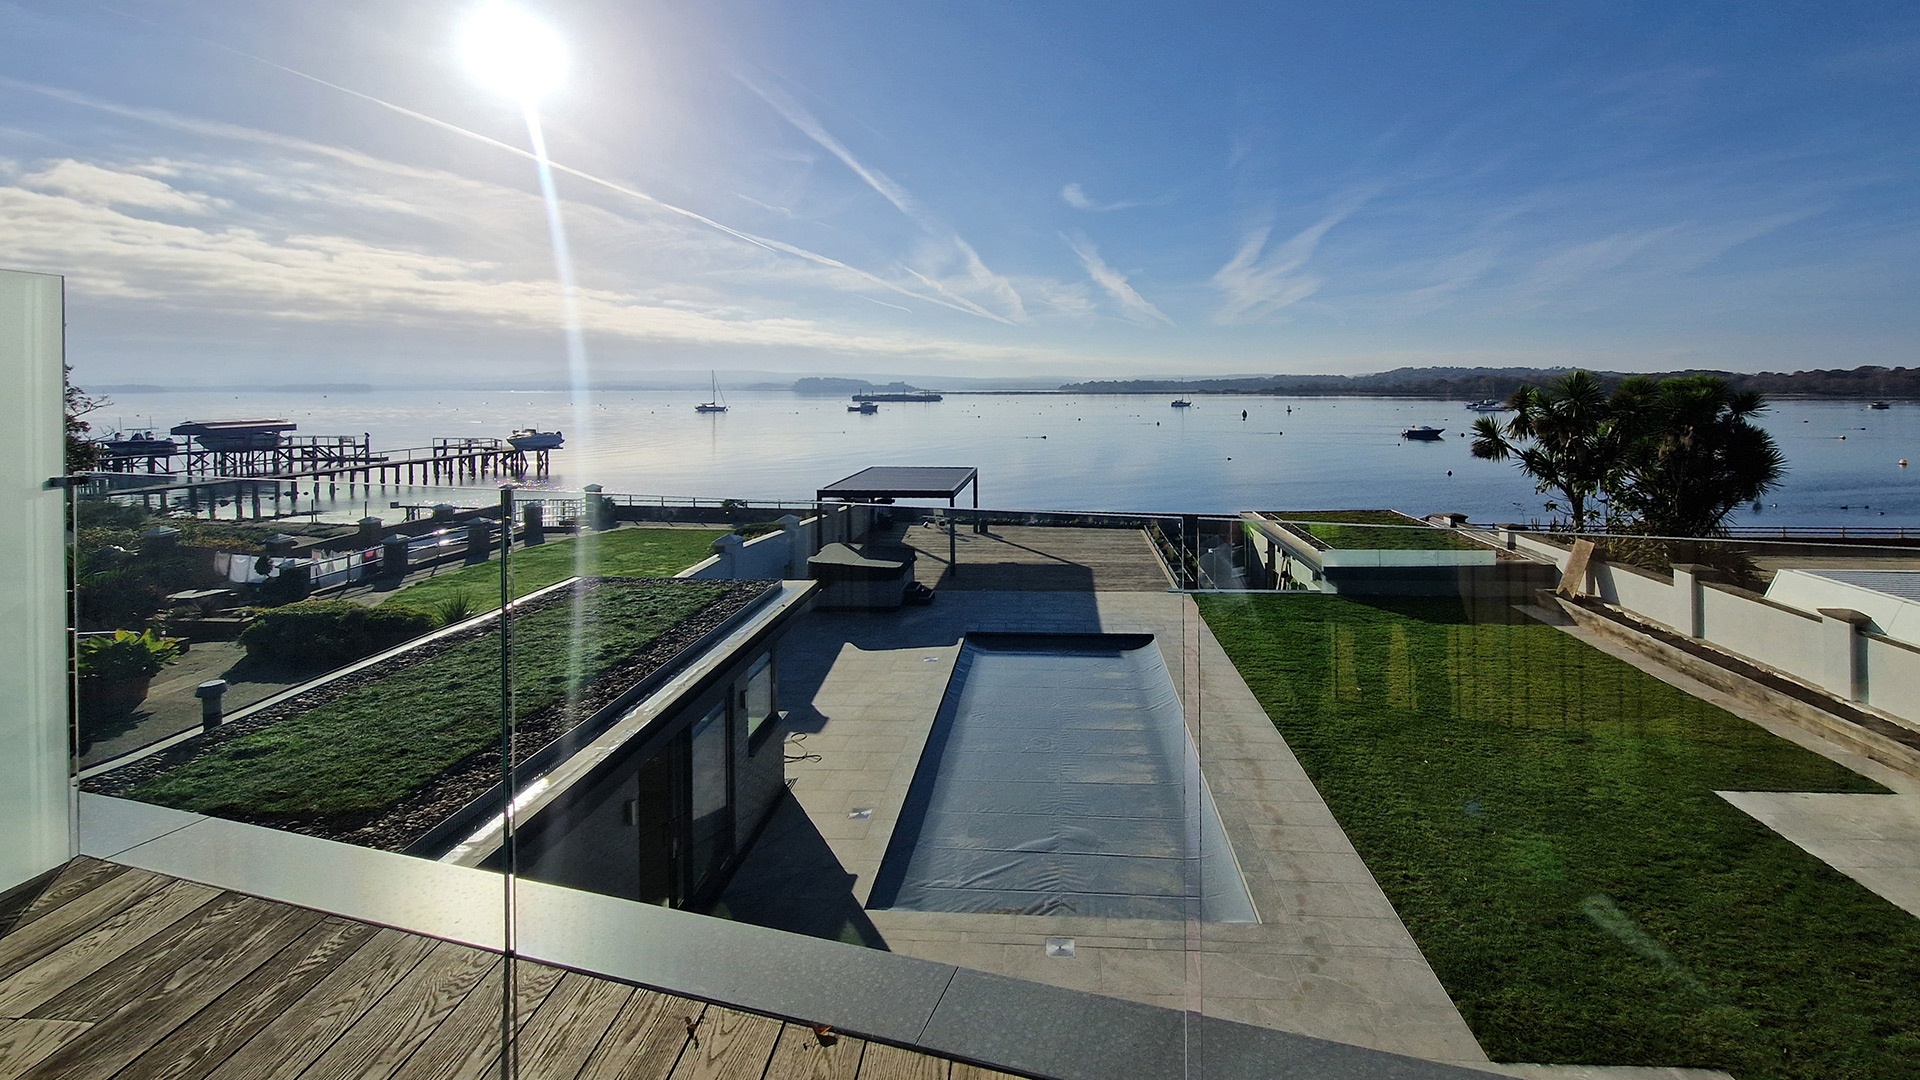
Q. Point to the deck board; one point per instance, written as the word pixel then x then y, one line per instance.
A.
pixel 557 1041
pixel 29 941
pixel 118 935
pixel 26 1043
pixel 203 1043
pixel 382 1039
pixel 137 976
pixel 139 1006
pixel 645 1040
pixel 728 1045
pixel 467 1046
pixel 882 1062
pixel 75 879
pixel 291 1041
pixel 799 1055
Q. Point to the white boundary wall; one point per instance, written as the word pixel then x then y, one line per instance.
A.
pixel 1834 650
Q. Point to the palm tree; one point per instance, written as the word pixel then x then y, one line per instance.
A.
pixel 1692 454
pixel 1565 435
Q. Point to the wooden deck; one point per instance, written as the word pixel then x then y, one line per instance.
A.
pixel 107 971
pixel 1030 558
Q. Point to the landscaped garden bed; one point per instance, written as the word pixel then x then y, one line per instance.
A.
pixel 629 552
pixel 1369 530
pixel 1544 818
pixel 382 754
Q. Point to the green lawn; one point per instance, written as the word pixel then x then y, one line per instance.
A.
pixel 1544 819
pixel 1349 529
pixel 372 746
pixel 619 553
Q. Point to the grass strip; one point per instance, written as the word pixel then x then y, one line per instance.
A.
pixel 1543 818
pixel 617 553
pixel 380 741
pixel 1350 530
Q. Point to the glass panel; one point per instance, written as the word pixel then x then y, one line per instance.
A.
pixel 710 775
pixel 759 698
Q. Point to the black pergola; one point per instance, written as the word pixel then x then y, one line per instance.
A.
pixel 889 482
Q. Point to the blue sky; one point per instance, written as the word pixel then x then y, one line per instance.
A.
pixel 970 189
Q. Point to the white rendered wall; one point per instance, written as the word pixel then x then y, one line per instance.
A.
pixel 35 798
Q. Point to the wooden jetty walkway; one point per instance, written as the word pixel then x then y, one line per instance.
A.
pixel 109 971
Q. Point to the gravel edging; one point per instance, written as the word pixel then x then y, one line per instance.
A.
pixel 394 827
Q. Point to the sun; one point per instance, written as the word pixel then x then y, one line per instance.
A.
pixel 512 53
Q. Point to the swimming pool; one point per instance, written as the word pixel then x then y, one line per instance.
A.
pixel 1059 779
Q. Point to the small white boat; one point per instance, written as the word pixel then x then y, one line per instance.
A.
pixel 535 439
pixel 716 403
pixel 1422 431
pixel 1881 405
pixel 1490 405
pixel 1182 403
pixel 865 408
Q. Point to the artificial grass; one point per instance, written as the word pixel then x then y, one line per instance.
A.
pixel 618 553
pixel 1374 530
pixel 369 748
pixel 1543 817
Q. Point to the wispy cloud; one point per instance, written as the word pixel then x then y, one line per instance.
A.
pixel 219 130
pixel 94 184
pixel 1258 284
pixel 964 274
pixel 1076 196
pixel 1132 304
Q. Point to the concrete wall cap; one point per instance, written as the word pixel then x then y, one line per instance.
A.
pixel 1846 615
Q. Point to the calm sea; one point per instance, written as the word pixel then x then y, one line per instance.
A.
pixel 1057 452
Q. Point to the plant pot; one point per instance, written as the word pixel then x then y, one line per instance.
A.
pixel 101 698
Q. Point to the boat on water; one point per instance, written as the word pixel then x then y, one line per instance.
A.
pixel 1489 405
pixel 1182 403
pixel 716 402
pixel 1881 405
pixel 908 395
pixel 138 444
pixel 230 436
pixel 535 439
pixel 865 408
pixel 1422 431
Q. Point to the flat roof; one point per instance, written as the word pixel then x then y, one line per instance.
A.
pixel 901 482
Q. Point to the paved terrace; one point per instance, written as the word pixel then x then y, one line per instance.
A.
pixel 1329 958
pixel 112 971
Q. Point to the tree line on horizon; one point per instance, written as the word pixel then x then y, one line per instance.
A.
pixel 1479 383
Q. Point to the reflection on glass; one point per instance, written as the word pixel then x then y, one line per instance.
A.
pixel 710 804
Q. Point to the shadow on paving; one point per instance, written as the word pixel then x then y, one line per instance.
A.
pixel 790 880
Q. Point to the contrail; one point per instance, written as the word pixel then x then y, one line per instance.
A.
pixel 765 243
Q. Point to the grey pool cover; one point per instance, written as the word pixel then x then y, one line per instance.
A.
pixel 1056 782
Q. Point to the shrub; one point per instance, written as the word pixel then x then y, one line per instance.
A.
pixel 456 608
pixel 125 656
pixel 329 633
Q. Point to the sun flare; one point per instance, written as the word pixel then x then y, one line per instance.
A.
pixel 512 53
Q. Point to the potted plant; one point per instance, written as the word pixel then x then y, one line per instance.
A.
pixel 116 670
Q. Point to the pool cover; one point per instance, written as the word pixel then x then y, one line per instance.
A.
pixel 1058 779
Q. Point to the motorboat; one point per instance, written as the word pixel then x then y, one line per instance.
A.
pixel 1881 405
pixel 1182 403
pixel 1490 405
pixel 535 439
pixel 1423 432
pixel 865 408
pixel 138 444
pixel 714 402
